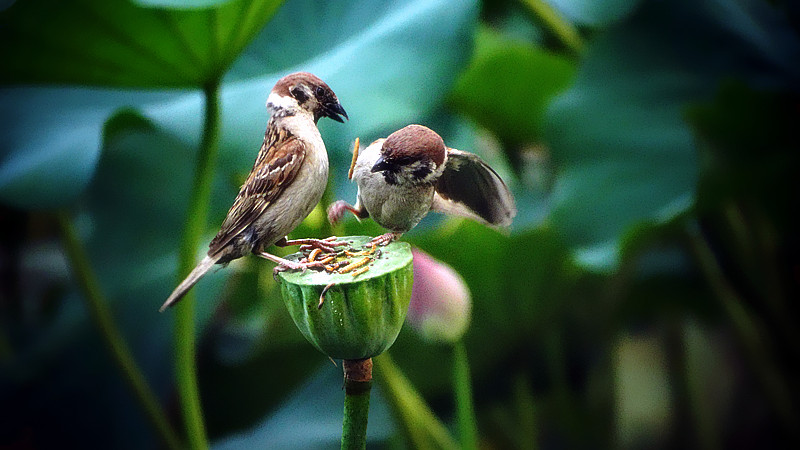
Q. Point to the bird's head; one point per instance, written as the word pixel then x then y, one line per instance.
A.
pixel 304 92
pixel 412 155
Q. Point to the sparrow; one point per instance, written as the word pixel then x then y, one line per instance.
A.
pixel 404 176
pixel 285 184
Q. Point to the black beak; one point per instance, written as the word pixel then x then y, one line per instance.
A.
pixel 381 165
pixel 334 110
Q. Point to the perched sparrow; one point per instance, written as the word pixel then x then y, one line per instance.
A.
pixel 411 172
pixel 286 182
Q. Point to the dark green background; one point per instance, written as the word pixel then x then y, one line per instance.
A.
pixel 645 296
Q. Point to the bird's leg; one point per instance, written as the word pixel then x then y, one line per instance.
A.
pixel 284 264
pixel 327 245
pixel 386 239
pixel 337 209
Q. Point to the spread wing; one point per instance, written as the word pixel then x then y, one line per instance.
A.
pixel 470 188
pixel 276 167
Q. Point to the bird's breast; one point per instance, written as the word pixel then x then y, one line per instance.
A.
pixel 302 194
pixel 394 207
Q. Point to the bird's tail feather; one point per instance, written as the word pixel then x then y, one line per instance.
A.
pixel 190 281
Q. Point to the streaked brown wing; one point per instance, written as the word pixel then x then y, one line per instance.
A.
pixel 271 173
pixel 470 188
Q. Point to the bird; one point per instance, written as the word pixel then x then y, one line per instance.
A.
pixel 285 184
pixel 411 172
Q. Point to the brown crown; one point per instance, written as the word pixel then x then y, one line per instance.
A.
pixel 412 143
pixel 293 79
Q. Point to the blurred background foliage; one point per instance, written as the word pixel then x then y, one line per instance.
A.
pixel 645 297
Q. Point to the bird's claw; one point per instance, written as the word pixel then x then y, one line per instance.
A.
pixel 301 265
pixel 336 211
pixel 385 239
pixel 327 245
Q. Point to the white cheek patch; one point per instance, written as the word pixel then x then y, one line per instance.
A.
pixel 366 159
pixel 276 101
pixel 420 171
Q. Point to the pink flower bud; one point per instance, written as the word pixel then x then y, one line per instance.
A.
pixel 440 300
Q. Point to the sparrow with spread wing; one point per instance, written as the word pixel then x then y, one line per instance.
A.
pixel 404 176
pixel 285 183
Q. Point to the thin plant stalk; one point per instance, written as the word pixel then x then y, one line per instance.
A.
pixel 418 423
pixel 750 334
pixel 357 386
pixel 560 27
pixel 526 413
pixel 465 409
pixel 185 359
pixel 117 346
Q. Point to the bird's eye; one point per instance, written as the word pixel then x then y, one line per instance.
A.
pixel 319 92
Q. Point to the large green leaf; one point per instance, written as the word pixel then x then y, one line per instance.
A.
pixel 362 67
pixel 389 64
pixel 132 212
pixel 51 136
pixel 318 402
pixel 180 4
pixel 594 13
pixel 128 227
pixel 508 86
pixel 51 139
pixel 118 43
pixel 517 285
pixel 626 155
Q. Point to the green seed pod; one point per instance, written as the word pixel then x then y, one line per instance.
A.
pixel 358 316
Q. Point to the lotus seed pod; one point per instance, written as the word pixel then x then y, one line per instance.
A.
pixel 355 307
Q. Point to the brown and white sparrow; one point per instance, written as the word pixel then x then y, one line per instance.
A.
pixel 285 183
pixel 404 176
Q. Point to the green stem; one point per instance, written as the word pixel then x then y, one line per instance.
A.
pixel 357 385
pixel 185 364
pixel 465 410
pixel 120 352
pixel 750 333
pixel 695 351
pixel 556 365
pixel 756 253
pixel 420 426
pixel 560 27
pixel 526 412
